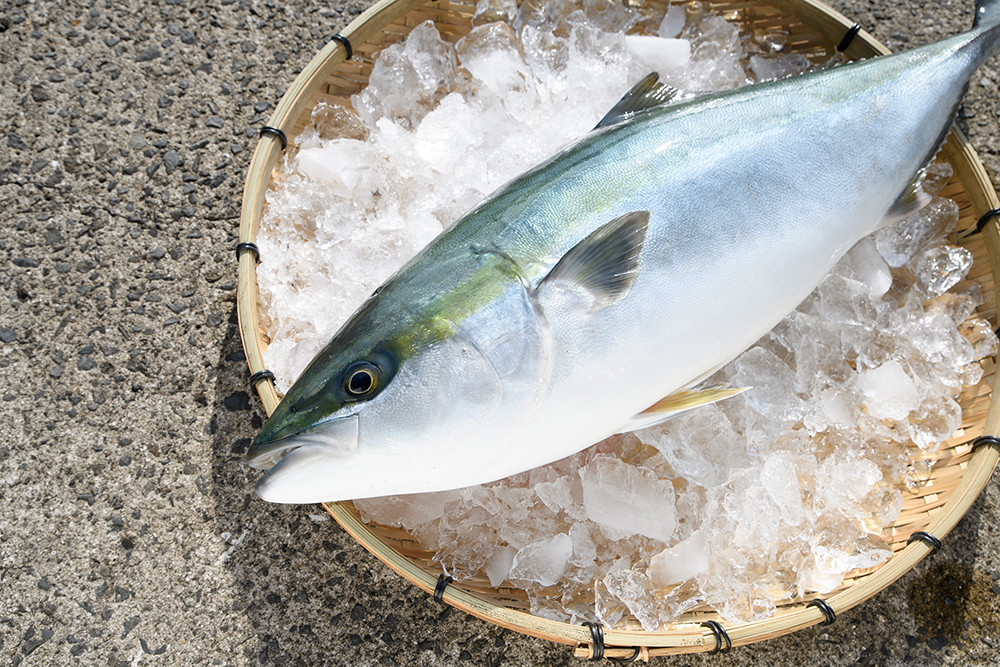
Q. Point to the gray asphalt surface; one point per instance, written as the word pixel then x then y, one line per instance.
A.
pixel 128 530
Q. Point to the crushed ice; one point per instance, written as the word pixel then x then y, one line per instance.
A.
pixel 781 490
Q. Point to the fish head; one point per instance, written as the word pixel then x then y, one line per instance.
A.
pixel 393 400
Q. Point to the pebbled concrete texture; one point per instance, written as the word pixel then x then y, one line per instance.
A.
pixel 128 530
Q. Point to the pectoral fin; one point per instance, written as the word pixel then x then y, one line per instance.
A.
pixel 605 263
pixel 681 401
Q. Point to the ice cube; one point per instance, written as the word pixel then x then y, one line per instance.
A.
pixel 680 562
pixel 902 240
pixel 657 53
pixel 980 334
pixel 557 494
pixel 841 481
pixel 499 564
pixel 972 374
pixel 542 562
pixel 339 165
pixel 488 11
pixel 936 175
pixel 869 267
pixel 779 477
pixel 332 121
pixel 633 589
pixel 405 76
pixel 768 68
pixel 832 408
pixel 772 385
pixel 936 420
pixel 845 301
pixel 405 511
pixel 889 391
pixel 700 445
pixel 829 566
pixel 673 22
pixel 941 268
pixel 625 500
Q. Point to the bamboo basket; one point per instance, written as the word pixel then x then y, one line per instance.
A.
pixel 959 473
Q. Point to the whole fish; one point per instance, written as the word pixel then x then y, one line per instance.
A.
pixel 592 294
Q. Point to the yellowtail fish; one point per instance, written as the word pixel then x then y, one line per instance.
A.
pixel 592 294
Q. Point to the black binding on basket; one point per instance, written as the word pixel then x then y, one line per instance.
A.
pixel 442 584
pixel 928 539
pixel 985 440
pixel 347 44
pixel 827 610
pixel 261 375
pixel 852 32
pixel 983 219
pixel 721 636
pixel 275 132
pixel 632 658
pixel 596 641
pixel 246 246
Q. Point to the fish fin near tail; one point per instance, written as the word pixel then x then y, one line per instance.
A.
pixel 914 198
pixel 681 401
pixel 987 13
pixel 607 261
pixel 910 200
pixel 648 94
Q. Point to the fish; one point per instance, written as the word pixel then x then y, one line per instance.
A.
pixel 595 293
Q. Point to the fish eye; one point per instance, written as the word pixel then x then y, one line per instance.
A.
pixel 361 378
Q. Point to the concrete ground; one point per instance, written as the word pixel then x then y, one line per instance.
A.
pixel 128 531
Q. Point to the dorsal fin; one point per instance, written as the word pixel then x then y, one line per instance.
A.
pixel 607 261
pixel 648 94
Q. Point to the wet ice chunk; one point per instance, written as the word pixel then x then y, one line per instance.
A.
pixel 339 165
pixel 936 420
pixel 828 566
pixel 982 337
pixel 405 76
pixel 633 589
pixel 625 500
pixel 673 22
pixel 543 561
pixel 935 176
pixel 772 385
pixel 941 268
pixel 869 267
pixel 494 10
pixel 902 240
pixel 680 562
pixel 778 67
pixel 700 445
pixel 557 494
pixel 657 53
pixel 889 391
pixel 405 511
pixel 499 564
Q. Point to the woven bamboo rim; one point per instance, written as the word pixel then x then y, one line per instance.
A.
pixel 959 473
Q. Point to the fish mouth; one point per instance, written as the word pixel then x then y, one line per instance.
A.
pixel 335 437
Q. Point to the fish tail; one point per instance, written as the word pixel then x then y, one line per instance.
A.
pixel 985 33
pixel 987 14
